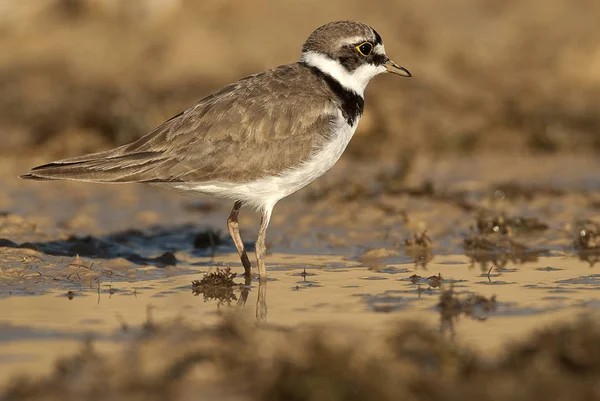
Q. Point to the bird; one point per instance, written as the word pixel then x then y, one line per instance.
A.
pixel 257 140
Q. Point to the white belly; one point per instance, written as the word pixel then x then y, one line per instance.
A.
pixel 267 191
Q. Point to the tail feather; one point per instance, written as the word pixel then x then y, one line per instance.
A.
pixel 33 177
pixel 99 168
pixel 120 151
pixel 140 161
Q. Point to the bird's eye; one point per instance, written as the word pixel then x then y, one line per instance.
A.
pixel 365 48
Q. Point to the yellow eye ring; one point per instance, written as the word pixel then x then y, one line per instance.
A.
pixel 365 48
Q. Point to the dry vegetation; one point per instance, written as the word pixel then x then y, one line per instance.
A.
pixel 495 75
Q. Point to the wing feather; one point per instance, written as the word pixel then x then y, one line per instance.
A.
pixel 255 127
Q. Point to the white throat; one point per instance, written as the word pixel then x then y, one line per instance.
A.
pixel 356 80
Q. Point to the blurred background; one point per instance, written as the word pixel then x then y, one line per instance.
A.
pixel 471 189
pixel 499 76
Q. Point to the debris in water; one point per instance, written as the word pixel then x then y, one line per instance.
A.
pixel 217 285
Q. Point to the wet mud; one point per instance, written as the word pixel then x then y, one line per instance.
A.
pixel 456 262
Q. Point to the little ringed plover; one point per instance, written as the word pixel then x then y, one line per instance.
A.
pixel 257 140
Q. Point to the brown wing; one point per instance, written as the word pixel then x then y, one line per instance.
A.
pixel 255 127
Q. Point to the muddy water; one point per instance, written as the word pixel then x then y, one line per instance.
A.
pixel 80 261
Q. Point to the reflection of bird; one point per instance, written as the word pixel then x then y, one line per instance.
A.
pixel 261 302
pixel 255 141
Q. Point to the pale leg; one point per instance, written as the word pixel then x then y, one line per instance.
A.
pixel 234 230
pixel 261 248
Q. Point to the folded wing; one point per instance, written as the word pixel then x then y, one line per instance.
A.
pixel 255 127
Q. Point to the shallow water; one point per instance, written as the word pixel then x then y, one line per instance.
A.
pixel 336 257
pixel 38 328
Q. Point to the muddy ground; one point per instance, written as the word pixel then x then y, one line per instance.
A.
pixel 458 257
pixel 451 254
